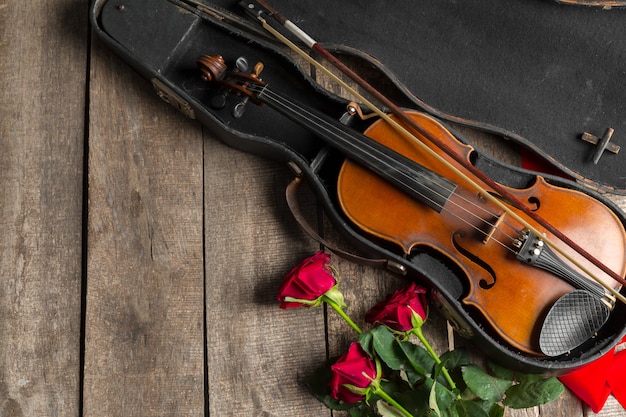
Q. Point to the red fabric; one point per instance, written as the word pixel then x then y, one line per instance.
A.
pixel 533 162
pixel 594 382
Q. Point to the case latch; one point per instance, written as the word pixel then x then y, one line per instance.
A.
pixel 169 96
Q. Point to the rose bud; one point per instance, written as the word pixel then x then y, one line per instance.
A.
pixel 352 375
pixel 307 282
pixel 397 311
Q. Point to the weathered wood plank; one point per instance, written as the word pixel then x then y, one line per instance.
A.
pixel 612 408
pixel 567 405
pixel 146 292
pixel 144 350
pixel 42 80
pixel 258 355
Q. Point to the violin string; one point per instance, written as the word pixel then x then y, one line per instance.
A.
pixel 288 103
pixel 323 125
pixel 549 241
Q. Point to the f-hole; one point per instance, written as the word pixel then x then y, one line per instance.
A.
pixel 484 284
pixel 534 202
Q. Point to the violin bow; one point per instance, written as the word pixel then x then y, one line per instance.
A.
pixel 266 9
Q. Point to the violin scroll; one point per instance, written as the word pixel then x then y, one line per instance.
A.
pixel 213 67
pixel 215 70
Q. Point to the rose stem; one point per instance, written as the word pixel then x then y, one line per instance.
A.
pixel 340 311
pixel 420 335
pixel 382 394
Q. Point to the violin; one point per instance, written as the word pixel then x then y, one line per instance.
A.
pixel 498 256
pixel 537 269
pixel 394 191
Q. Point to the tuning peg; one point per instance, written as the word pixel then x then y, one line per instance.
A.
pixel 258 68
pixel 240 108
pixel 218 102
pixel 241 64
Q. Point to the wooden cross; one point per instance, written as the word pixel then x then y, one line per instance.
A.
pixel 603 143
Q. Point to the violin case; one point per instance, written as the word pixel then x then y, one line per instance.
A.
pixel 537 73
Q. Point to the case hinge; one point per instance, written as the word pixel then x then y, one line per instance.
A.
pixel 169 96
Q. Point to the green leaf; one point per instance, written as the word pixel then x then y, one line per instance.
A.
pixel 487 387
pixel 440 377
pixel 386 410
pixel 384 344
pixel 417 400
pixel 362 412
pixel 496 410
pixel 432 400
pixel 502 372
pixel 455 359
pixel 418 357
pixel 365 340
pixel 533 391
pixel 464 408
pixel 443 395
pixel 488 408
pixel 318 385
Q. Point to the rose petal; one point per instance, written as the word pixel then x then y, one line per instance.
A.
pixel 308 280
pixel 396 310
pixel 349 370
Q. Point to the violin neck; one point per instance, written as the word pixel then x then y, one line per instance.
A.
pixel 419 182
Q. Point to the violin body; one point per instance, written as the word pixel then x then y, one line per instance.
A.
pixel 434 248
pixel 511 295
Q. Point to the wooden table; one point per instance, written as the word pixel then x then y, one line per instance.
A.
pixel 140 257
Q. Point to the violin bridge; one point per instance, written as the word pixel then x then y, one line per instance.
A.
pixel 493 227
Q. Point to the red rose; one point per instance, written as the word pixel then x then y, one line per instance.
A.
pixel 308 280
pixel 356 369
pixel 397 310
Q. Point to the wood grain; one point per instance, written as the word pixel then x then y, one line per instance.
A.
pixel 151 291
pixel 43 45
pixel 258 354
pixel 144 337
